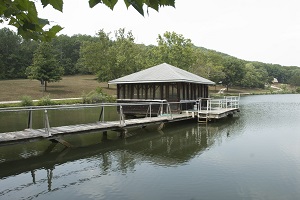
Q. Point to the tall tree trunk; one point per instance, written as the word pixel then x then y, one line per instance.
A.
pixel 227 86
pixel 45 83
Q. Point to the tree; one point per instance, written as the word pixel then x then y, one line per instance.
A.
pixel 9 50
pixel 23 14
pixel 94 55
pixel 125 59
pixel 254 78
pixel 174 49
pixel 112 58
pixel 295 79
pixel 234 72
pixel 45 67
pixel 68 52
pixel 15 54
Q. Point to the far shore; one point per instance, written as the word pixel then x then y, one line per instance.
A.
pixel 71 89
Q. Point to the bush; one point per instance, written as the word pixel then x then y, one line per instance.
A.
pixel 97 96
pixel 45 101
pixel 26 101
pixel 298 89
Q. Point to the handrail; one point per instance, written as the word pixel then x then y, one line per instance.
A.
pixel 226 102
pixel 45 109
pixel 73 106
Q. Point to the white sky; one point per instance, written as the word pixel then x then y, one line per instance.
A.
pixel 255 30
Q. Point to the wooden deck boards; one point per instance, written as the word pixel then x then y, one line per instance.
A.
pixel 38 134
pixel 35 134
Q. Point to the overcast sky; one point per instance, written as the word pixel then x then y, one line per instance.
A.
pixel 255 30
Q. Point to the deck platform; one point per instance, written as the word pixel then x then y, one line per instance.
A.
pixel 218 113
pixel 30 135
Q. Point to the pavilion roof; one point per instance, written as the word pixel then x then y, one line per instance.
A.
pixel 161 73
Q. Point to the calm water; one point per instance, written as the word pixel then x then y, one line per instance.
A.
pixel 253 156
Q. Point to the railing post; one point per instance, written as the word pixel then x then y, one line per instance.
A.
pixel 200 104
pixel 47 125
pixel 169 108
pixel 101 114
pixel 29 125
pixel 207 105
pixel 150 110
pixel 122 120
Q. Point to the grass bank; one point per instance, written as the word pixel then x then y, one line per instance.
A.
pixel 68 87
pixel 80 85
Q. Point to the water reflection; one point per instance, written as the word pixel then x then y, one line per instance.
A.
pixel 175 145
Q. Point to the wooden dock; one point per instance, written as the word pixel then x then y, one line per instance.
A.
pixel 30 135
pixel 214 109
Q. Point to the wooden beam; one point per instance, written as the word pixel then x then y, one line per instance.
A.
pixel 61 141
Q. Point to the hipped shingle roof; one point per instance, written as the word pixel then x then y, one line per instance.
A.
pixel 162 73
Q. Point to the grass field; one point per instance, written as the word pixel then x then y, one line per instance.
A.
pixel 76 86
pixel 68 87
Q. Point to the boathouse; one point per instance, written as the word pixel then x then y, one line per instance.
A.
pixel 162 82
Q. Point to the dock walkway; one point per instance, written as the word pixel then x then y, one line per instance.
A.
pixel 29 135
pixel 204 109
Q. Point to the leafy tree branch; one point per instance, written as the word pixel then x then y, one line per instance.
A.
pixel 23 14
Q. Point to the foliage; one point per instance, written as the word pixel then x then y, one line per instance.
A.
pixel 15 54
pixel 284 88
pixel 174 49
pixel 126 57
pixel 95 55
pixel 45 67
pixel 109 58
pixel 97 96
pixel 23 14
pixel 67 49
pixel 234 72
pixel 254 78
pixel 45 101
pixel 26 101
pixel 112 55
pixel 295 79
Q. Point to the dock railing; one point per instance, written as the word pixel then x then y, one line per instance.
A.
pixel 206 105
pixel 165 110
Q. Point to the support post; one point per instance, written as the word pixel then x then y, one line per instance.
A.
pixel 47 125
pixel 161 126
pixel 104 136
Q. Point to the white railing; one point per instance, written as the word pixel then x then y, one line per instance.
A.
pixel 208 104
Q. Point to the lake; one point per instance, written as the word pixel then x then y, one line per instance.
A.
pixel 255 155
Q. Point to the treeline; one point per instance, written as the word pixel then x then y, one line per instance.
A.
pixel 112 55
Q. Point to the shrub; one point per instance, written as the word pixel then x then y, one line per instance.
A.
pixel 45 101
pixel 97 96
pixel 26 101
